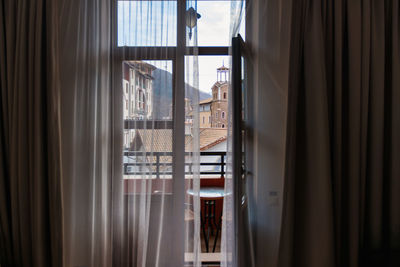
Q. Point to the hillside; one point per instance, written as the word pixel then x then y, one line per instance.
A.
pixel 162 93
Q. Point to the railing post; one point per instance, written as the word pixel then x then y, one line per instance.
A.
pixel 222 165
pixel 158 165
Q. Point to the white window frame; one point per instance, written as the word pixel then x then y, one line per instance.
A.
pixel 177 55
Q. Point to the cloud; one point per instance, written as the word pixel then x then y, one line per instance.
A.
pixel 213 26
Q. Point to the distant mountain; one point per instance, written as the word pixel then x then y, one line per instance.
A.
pixel 162 93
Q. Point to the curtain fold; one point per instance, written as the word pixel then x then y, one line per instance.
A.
pixel 30 156
pixel 125 177
pixel 341 201
pixel 228 236
pixel 86 108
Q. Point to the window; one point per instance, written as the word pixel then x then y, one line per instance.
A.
pixel 141 100
pixel 223 115
pixel 207 26
pixel 160 15
pixel 154 101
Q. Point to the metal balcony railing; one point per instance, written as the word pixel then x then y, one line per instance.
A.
pixel 160 163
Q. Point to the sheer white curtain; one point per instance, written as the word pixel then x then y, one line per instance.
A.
pixel 228 235
pixel 123 142
pixel 192 202
pixel 87 131
pixel 125 131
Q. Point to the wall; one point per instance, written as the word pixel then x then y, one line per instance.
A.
pixel 219 105
pixel 205 115
pixel 267 33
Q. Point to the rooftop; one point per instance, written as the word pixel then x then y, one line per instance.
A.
pixel 206 101
pixel 160 140
pixel 223 68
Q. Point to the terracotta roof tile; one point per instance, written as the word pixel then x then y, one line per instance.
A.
pixel 206 101
pixel 209 136
pixel 160 140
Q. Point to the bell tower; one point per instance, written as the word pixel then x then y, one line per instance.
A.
pixel 222 74
pixel 219 105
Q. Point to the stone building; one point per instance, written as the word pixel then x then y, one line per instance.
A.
pixel 138 90
pixel 219 103
pixel 205 113
pixel 137 93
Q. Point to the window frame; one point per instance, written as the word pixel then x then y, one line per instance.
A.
pixel 177 55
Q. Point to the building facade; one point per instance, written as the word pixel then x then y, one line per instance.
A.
pixel 137 94
pixel 205 113
pixel 219 103
pixel 138 90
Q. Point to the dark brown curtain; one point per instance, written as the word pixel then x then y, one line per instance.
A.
pixel 30 180
pixel 342 184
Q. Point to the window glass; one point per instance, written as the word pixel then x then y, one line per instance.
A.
pixel 151 107
pixel 147 23
pixel 214 23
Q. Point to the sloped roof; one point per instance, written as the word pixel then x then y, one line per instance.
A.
pixel 209 137
pixel 206 101
pixel 160 140
pixel 223 68
pixel 157 140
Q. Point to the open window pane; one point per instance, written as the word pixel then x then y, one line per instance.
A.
pixel 206 114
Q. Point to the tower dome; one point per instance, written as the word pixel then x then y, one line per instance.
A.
pixel 223 74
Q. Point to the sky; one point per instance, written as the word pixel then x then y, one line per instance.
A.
pixel 213 30
pixel 154 23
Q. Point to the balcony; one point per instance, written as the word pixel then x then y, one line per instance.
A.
pixel 159 164
pixel 157 168
pixel 153 172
